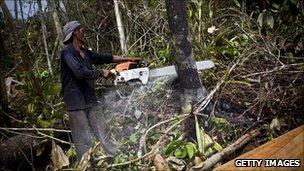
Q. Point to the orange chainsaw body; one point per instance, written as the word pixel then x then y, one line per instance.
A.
pixel 125 66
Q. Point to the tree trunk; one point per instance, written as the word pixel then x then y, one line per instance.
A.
pixel 120 27
pixel 104 24
pixel 16 9
pixel 21 9
pixel 62 11
pixel 26 65
pixel 4 121
pixel 56 20
pixel 44 35
pixel 190 83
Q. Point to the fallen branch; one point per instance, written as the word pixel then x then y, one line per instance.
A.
pixel 273 70
pixel 35 129
pixel 53 138
pixel 210 162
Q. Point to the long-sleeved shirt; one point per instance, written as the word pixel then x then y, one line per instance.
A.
pixel 78 77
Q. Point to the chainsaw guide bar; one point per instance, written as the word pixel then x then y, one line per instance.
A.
pixel 129 71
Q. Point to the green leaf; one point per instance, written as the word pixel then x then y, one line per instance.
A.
pixel 195 1
pixel 237 3
pixel 294 2
pixel 52 89
pixel 260 19
pixel 190 13
pixel 199 137
pixel 217 147
pixel 71 152
pixel 217 121
pixel 133 138
pixel 276 6
pixel 180 153
pixel 191 150
pixel 172 146
pixel 206 139
pixel 210 10
pixel 46 123
pixel 270 20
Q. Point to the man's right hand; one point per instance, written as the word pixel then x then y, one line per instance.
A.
pixel 107 73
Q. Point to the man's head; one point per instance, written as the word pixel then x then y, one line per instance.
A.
pixel 73 30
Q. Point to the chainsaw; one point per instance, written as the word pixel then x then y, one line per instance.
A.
pixel 127 71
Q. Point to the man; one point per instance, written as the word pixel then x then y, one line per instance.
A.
pixel 78 92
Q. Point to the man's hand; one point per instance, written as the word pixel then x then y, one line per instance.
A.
pixel 107 73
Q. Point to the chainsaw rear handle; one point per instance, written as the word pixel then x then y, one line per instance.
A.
pixel 130 65
pixel 130 70
pixel 141 74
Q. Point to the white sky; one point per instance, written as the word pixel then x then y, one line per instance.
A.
pixel 29 7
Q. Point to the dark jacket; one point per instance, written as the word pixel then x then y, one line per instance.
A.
pixel 78 76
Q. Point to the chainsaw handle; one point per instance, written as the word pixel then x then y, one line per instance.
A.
pixel 114 72
pixel 108 73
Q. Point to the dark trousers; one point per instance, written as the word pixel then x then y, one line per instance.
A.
pixel 87 124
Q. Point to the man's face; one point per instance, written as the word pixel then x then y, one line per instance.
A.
pixel 80 34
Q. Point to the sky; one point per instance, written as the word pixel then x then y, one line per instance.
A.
pixel 29 7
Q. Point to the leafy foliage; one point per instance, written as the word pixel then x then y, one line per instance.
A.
pixel 265 38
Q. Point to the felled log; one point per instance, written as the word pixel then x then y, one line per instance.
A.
pixel 18 147
pixel 210 162
pixel 285 147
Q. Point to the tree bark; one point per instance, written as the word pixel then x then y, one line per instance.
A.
pixel 104 24
pixel 44 33
pixel 16 9
pixel 21 9
pixel 26 64
pixel 120 27
pixel 57 23
pixel 214 159
pixel 4 121
pixel 62 11
pixel 190 83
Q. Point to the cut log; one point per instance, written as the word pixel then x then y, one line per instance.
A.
pixel 210 162
pixel 286 146
pixel 18 147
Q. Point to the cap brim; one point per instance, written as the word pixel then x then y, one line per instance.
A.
pixel 67 37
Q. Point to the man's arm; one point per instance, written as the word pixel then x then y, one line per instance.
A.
pixel 118 59
pixel 99 58
pixel 79 70
pixel 105 58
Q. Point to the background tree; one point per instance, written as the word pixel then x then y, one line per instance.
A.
pixel 26 65
pixel 16 8
pixel 4 120
pixel 266 85
pixel 120 27
pixel 21 9
pixel 44 37
pixel 104 24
